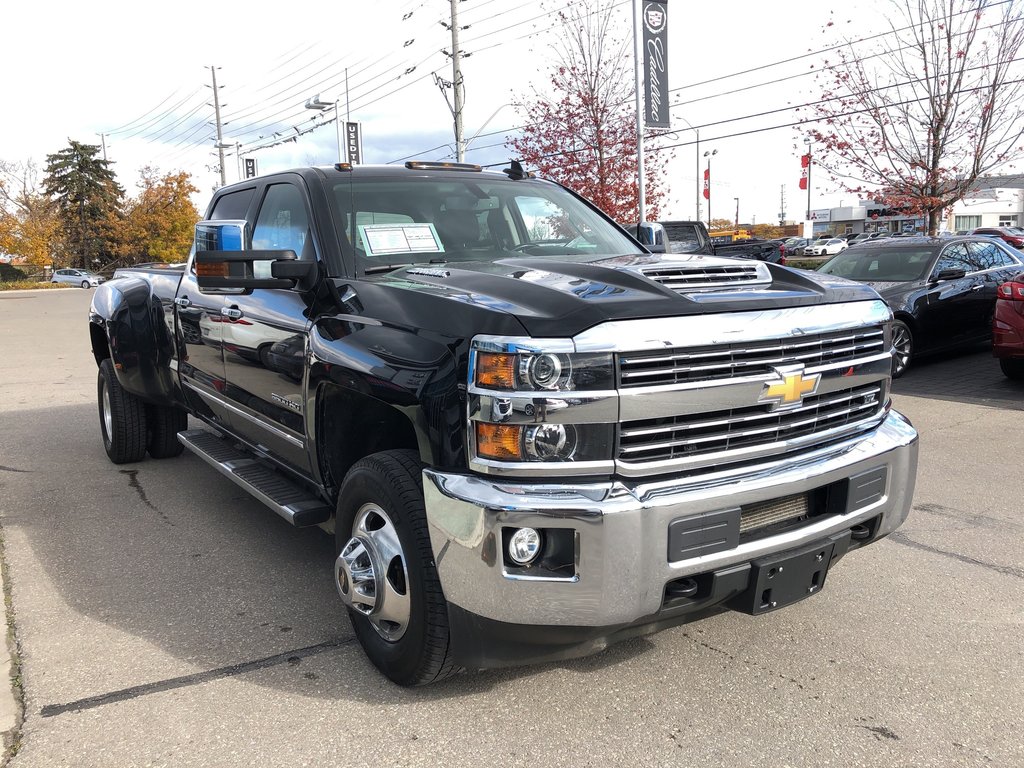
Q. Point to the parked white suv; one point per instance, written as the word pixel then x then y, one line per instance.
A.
pixel 80 277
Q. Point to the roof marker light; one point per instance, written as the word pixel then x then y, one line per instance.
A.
pixel 418 165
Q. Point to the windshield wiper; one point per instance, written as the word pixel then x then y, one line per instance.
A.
pixel 384 268
pixel 392 267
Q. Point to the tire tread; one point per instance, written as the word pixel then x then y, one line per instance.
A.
pixel 164 422
pixel 128 443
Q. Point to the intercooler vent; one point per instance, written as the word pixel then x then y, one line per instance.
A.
pixel 756 516
pixel 693 277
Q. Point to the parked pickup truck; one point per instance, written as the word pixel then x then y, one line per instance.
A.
pixel 693 237
pixel 531 436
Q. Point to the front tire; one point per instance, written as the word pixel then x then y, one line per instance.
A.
pixel 122 418
pixel 85 283
pixel 1013 367
pixel 902 348
pixel 385 570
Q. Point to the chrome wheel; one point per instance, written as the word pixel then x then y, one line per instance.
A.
pixel 108 416
pixel 902 348
pixel 372 575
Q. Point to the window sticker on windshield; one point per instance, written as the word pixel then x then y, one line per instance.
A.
pixel 386 239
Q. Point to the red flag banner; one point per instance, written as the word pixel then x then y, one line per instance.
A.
pixel 803 179
pixel 707 183
pixel 805 160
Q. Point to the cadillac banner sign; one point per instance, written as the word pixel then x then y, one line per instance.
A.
pixel 655 57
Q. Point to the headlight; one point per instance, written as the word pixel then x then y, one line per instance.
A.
pixel 535 407
pixel 543 442
pixel 542 371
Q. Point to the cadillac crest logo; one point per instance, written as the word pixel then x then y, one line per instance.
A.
pixel 654 18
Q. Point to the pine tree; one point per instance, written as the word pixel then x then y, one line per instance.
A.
pixel 88 200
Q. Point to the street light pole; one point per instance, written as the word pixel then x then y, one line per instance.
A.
pixel 638 87
pixel 320 106
pixel 737 212
pixel 696 214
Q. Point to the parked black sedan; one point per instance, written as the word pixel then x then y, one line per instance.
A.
pixel 942 291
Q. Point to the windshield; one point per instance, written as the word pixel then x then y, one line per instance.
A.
pixel 881 265
pixel 392 221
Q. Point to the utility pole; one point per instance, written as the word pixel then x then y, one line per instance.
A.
pixel 457 83
pixel 220 135
pixel 782 205
pixel 103 141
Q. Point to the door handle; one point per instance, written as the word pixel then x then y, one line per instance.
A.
pixel 232 313
pixel 977 287
pixel 183 302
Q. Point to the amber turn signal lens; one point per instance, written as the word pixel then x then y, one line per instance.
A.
pixel 216 269
pixel 499 441
pixel 495 371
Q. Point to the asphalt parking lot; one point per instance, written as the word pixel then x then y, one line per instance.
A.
pixel 163 618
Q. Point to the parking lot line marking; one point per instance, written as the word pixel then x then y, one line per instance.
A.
pixel 90 702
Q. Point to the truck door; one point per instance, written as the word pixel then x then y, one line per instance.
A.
pixel 265 337
pixel 199 317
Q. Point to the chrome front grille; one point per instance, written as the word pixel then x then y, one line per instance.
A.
pixel 736 360
pixel 709 276
pixel 703 436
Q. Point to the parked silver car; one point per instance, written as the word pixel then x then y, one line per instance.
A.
pixel 80 277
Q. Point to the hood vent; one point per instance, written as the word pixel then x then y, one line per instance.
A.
pixel 691 277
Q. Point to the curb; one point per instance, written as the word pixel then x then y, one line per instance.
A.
pixel 11 703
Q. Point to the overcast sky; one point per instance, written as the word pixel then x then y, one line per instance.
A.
pixel 139 74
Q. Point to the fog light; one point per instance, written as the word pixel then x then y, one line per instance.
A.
pixel 524 546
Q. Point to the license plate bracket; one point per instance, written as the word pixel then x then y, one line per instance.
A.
pixel 786 578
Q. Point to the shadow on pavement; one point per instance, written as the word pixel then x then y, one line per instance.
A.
pixel 972 376
pixel 175 557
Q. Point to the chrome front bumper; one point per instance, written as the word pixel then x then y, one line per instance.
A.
pixel 622 529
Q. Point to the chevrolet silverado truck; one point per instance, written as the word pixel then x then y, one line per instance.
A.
pixel 530 435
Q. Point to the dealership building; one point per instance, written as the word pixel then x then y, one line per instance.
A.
pixel 988 206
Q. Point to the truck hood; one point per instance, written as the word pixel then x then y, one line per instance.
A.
pixel 565 297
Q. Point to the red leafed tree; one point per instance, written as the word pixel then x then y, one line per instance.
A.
pixel 583 134
pixel 917 121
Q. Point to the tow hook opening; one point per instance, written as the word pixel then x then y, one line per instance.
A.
pixel 861 533
pixel 680 588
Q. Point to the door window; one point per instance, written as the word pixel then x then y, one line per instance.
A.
pixel 955 257
pixel 990 256
pixel 232 205
pixel 283 223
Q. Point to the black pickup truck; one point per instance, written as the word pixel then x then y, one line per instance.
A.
pixel 693 237
pixel 530 436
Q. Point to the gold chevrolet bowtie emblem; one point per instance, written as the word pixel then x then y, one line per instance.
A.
pixel 791 388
